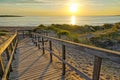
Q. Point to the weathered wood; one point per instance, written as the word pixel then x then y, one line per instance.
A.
pixel 35 39
pixel 23 34
pixel 96 51
pixel 63 57
pixel 2 68
pixel 43 45
pixel 7 53
pixel 29 31
pixel 11 49
pixel 97 67
pixel 38 43
pixel 36 66
pixel 15 44
pixel 50 44
pixel 72 68
pixel 9 66
pixel 99 53
pixel 8 46
pixel 32 37
pixel 7 43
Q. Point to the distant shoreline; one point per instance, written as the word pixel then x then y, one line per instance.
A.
pixel 10 16
pixel 55 16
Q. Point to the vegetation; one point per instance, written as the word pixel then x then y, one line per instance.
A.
pixel 3 32
pixel 105 35
pixel 108 38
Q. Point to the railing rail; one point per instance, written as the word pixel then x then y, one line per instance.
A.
pixel 98 53
pixel 8 47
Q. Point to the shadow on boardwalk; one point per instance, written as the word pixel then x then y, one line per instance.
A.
pixel 31 64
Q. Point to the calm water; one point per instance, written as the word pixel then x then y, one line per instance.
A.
pixel 35 21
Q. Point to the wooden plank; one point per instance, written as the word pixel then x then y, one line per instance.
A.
pixel 92 50
pixel 43 45
pixel 7 43
pixel 23 34
pixel 63 57
pixel 32 66
pixel 1 67
pixel 9 64
pixel 7 53
pixel 50 44
pixel 97 67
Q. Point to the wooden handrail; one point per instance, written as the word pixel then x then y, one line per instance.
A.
pixel 9 63
pixel 98 53
pixel 7 43
pixel 11 43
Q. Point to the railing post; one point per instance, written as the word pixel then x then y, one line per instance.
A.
pixel 43 45
pixel 10 52
pixel 7 53
pixel 63 57
pixel 50 44
pixel 97 67
pixel 29 32
pixel 11 49
pixel 23 35
pixel 15 42
pixel 38 42
pixel 1 67
pixel 33 38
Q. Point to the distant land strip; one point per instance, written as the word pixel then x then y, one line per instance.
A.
pixel 10 16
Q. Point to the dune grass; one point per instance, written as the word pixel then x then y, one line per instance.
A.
pixel 2 33
pixel 73 32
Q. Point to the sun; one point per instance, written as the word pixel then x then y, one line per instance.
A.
pixel 73 8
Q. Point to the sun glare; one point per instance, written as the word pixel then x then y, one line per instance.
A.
pixel 73 8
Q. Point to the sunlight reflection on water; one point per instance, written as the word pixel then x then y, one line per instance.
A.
pixel 73 20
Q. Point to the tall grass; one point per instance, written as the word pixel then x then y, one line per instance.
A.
pixel 73 32
pixel 2 33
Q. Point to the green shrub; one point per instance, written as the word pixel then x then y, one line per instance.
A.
pixel 2 33
pixel 73 37
pixel 63 33
pixel 107 26
pixel 53 28
pixel 40 27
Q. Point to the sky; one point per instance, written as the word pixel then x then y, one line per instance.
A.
pixel 59 7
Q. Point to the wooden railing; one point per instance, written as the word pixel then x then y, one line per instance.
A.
pixel 8 48
pixel 98 53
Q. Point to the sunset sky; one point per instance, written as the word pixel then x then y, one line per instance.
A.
pixel 60 7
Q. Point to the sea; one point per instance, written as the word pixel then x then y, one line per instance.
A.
pixel 48 20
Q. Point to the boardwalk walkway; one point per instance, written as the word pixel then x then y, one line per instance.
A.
pixel 31 64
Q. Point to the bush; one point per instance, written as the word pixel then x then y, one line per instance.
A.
pixel 40 27
pixel 107 26
pixel 2 33
pixel 73 37
pixel 53 28
pixel 63 32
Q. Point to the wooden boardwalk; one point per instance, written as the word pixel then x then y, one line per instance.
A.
pixel 31 64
